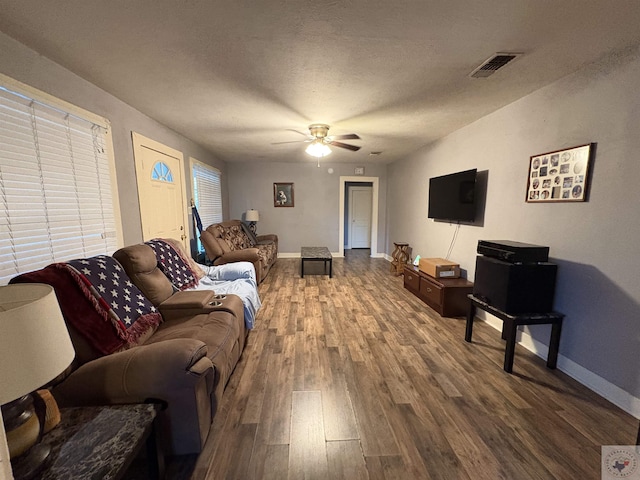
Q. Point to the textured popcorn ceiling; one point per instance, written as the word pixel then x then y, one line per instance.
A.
pixel 237 76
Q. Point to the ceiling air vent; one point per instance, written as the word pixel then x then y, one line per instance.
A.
pixel 493 64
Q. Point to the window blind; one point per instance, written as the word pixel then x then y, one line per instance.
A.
pixel 55 186
pixel 207 192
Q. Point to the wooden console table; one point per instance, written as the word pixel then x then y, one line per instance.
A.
pixel 447 296
pixel 510 329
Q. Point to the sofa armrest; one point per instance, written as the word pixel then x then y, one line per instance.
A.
pixel 187 300
pixel 210 243
pixel 152 371
pixel 270 237
pixel 229 303
pixel 246 255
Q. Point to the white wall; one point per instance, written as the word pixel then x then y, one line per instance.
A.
pixel 595 243
pixel 27 66
pixel 315 219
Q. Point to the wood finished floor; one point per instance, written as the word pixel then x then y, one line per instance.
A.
pixel 354 378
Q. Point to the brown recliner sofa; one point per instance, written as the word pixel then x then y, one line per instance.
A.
pixel 232 241
pixel 183 362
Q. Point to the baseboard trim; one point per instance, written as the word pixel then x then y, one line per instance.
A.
pixel 602 387
pixel 297 255
pixel 333 254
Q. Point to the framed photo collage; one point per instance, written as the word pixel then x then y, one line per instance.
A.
pixel 560 176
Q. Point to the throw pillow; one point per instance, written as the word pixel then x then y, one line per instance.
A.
pixel 250 234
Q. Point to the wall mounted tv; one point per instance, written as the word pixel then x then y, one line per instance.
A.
pixel 453 197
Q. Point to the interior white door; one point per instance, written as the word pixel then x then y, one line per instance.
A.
pixel 160 178
pixel 360 216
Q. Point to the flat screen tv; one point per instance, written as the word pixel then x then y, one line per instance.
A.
pixel 453 197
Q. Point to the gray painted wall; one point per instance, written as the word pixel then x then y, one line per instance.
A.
pixel 315 219
pixel 595 243
pixel 26 66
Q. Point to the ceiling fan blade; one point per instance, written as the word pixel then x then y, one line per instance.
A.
pixel 344 145
pixel 297 131
pixel 293 141
pixel 348 136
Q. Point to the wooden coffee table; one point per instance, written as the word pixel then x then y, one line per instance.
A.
pixel 316 254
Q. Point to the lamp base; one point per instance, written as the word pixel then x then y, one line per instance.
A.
pixel 22 427
pixel 21 424
pixel 27 466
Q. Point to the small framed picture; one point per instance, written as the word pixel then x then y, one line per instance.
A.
pixel 560 176
pixel 283 194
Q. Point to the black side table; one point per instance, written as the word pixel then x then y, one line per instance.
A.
pixel 510 329
pixel 101 442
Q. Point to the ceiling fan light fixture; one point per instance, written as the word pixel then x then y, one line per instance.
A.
pixel 319 130
pixel 318 149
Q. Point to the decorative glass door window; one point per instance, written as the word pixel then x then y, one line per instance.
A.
pixel 162 173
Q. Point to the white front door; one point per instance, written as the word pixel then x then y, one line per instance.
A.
pixel 160 178
pixel 360 217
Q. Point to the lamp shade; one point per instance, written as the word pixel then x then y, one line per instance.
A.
pixel 318 148
pixel 34 342
pixel 252 215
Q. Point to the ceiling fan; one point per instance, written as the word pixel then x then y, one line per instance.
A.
pixel 320 141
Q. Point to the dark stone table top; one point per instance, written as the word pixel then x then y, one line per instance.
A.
pixel 320 253
pixel 97 442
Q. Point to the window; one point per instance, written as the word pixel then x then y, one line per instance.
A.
pixel 57 200
pixel 162 173
pixel 207 194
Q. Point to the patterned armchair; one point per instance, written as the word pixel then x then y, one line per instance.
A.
pixel 232 241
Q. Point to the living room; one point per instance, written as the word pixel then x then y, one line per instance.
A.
pixel 593 242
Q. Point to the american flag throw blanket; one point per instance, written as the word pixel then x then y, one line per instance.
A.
pixel 104 282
